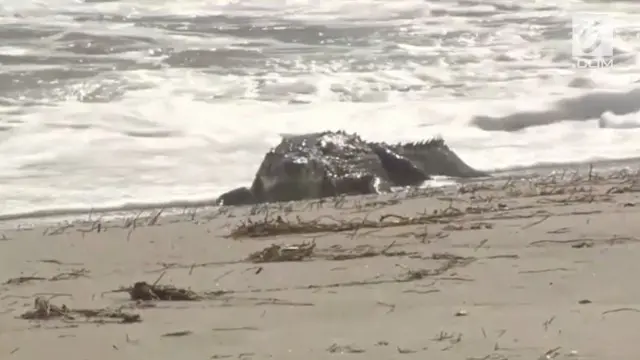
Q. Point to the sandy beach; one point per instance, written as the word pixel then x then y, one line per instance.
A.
pixel 535 268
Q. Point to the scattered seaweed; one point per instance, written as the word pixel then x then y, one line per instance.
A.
pixel 178 333
pixel 146 292
pixel 450 261
pixel 282 253
pixel 44 310
pixel 342 349
pixel 308 250
pixel 74 274
pixel 366 252
pixel 142 291
pixel 270 226
pixel 471 226
pixel 556 190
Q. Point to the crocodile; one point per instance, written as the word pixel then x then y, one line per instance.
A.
pixel 332 163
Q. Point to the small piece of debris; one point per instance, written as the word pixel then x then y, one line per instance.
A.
pixel 282 253
pixel 582 245
pixel 335 348
pixel 461 312
pixel 143 291
pixel 44 310
pixel 178 333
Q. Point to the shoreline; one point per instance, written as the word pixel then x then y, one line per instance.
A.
pixel 80 214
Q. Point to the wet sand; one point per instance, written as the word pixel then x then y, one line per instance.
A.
pixel 508 269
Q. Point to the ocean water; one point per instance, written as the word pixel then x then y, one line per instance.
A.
pixel 108 103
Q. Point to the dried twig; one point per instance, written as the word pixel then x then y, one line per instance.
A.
pixel 58 277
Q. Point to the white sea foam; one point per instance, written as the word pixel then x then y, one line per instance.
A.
pixel 466 71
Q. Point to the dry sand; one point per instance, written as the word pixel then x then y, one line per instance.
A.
pixel 527 269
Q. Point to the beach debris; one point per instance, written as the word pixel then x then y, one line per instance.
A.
pixel 307 250
pixel 451 338
pixel 237 328
pixel 620 310
pixel 472 226
pixel 443 335
pixel 623 189
pixel 548 323
pixel 74 274
pixel 342 349
pixel 390 307
pixel 556 189
pixel 461 312
pixel 582 244
pixel 44 310
pixel 283 253
pixel 145 292
pixel 142 291
pixel 24 279
pixel 178 333
pixel 550 354
pixel 364 251
pixel 450 261
pixel 271 226
pixel 405 351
